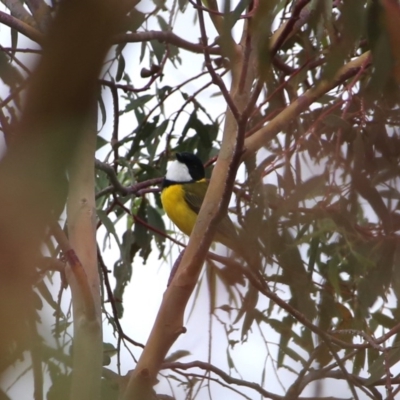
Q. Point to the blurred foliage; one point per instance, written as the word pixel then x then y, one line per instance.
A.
pixel 319 203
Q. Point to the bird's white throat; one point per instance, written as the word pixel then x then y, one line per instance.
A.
pixel 178 172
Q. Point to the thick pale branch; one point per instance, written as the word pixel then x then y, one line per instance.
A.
pixel 290 27
pixel 34 5
pixel 216 19
pixel 81 222
pixel 169 323
pixel 41 12
pixel 134 37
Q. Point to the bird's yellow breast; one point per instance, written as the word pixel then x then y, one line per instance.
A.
pixel 174 203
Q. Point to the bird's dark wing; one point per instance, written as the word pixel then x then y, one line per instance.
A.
pixel 194 195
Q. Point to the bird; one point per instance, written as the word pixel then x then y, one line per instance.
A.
pixel 183 191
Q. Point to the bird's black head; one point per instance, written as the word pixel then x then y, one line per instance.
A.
pixel 194 164
pixel 185 169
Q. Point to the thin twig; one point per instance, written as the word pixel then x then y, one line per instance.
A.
pixel 117 185
pixel 114 137
pixel 215 77
pixel 229 379
pixel 164 37
pixel 36 355
pixel 289 26
pixel 111 299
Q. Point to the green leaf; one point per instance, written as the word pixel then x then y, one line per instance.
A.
pixel 142 133
pixel 234 16
pixel 380 49
pixel 182 5
pixel 9 74
pixel 160 4
pixel 100 142
pixel 293 354
pixel 231 364
pixel 121 68
pixel 37 301
pixel 143 48
pixel 139 102
pixel 103 112
pixel 312 254
pixel 336 122
pixel 14 41
pixel 248 310
pixel 384 361
pixel 109 390
pixel 163 24
pixel 359 361
pixel 46 294
pixel 384 320
pixel 152 140
pixel 142 236
pixel 333 273
pixel 136 19
pixel 109 349
pixel 158 50
pixel 60 388
pixel 177 355
pixel 287 325
pixel 295 275
pixel 108 224
pixel 155 220
pixel 123 269
pixel 392 18
pixel 310 188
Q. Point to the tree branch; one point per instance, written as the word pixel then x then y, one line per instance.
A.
pixel 112 302
pixel 19 11
pixel 60 96
pixel 21 27
pixel 117 185
pixel 264 135
pixel 164 37
pixel 229 379
pixel 222 374
pixel 169 322
pixel 41 12
pixel 215 77
pixel 81 223
pixel 288 27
